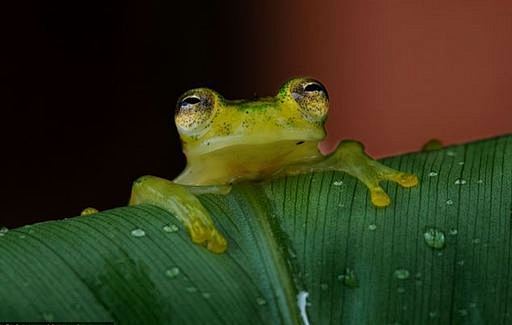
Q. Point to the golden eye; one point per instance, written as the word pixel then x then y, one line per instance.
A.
pixel 194 109
pixel 312 98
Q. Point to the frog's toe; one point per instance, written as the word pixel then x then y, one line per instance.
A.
pixel 406 179
pixel 207 235
pixel 379 197
pixel 88 211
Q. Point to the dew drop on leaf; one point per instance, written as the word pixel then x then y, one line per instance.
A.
pixel 172 272
pixel 372 227
pixel 433 314
pixel 48 317
pixel 170 228
pixel 138 232
pixel 3 231
pixel 432 174
pixel 260 301
pixel 349 278
pixel 463 312
pixel 434 238
pixel 401 274
pixel 449 202
pixel 191 289
pixel 460 181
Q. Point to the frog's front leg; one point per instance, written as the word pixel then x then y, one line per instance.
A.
pixel 184 205
pixel 350 157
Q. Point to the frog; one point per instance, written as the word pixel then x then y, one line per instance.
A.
pixel 231 141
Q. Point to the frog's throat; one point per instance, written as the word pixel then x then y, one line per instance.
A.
pixel 219 143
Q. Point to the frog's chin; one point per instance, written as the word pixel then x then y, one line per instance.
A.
pixel 220 143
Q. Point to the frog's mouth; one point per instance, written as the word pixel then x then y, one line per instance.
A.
pixel 290 139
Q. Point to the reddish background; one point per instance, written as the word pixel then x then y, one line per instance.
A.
pixel 399 72
pixel 89 87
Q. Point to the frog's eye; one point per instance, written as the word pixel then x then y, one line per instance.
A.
pixel 194 109
pixel 312 98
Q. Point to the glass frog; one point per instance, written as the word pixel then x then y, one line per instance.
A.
pixel 230 141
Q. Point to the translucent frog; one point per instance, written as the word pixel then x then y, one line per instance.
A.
pixel 230 141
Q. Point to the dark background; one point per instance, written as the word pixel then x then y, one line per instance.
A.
pixel 88 88
pixel 90 91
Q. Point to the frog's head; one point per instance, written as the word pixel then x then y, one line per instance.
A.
pixel 207 122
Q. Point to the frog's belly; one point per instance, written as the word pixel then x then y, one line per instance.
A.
pixel 247 162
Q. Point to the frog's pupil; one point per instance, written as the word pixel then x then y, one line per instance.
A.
pixel 191 100
pixel 313 87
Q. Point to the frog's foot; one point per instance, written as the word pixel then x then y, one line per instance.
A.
pixel 356 162
pixel 88 211
pixel 178 200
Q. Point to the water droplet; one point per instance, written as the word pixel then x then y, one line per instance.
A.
pixel 432 174
pixel 460 181
pixel 170 228
pixel 460 263
pixel 476 241
pixel 350 279
pixel 400 290
pixel 449 202
pixel 434 238
pixel 463 312
pixel 480 181
pixel 372 227
pixel 453 232
pixel 48 317
pixel 324 286
pixel 206 295
pixel 172 272
pixel 337 183
pixel 260 301
pixel 450 153
pixel 401 274
pixel 22 236
pixel 3 231
pixel 191 289
pixel 461 163
pixel 302 303
pixel 138 232
pixel 433 314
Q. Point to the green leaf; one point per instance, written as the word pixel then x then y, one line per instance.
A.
pixel 440 253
